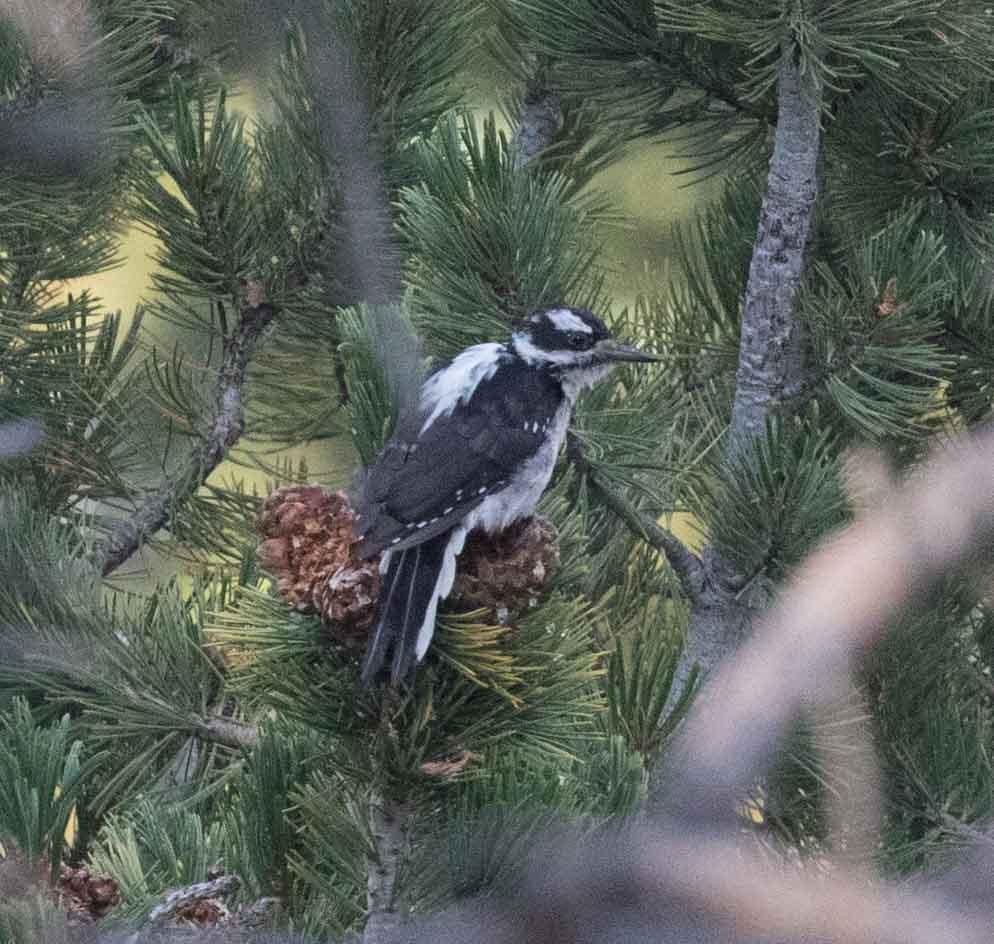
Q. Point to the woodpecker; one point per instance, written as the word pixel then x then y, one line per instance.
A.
pixel 478 451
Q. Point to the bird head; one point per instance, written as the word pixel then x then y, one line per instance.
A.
pixel 574 343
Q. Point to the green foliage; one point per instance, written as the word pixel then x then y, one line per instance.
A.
pixel 487 243
pixel 640 676
pixel 703 306
pixel 135 672
pixel 383 371
pixel 930 161
pixel 329 863
pixel 40 780
pixel 261 824
pixel 840 43
pixel 152 848
pixel 930 683
pixel 766 509
pixel 206 227
pixel 874 320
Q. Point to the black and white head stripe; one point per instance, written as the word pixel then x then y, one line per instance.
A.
pixel 565 320
pixel 559 336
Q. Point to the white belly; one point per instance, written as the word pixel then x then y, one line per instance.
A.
pixel 520 496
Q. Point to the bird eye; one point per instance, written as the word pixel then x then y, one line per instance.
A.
pixel 578 340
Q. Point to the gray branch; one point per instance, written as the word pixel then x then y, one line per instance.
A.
pixel 539 121
pixel 228 732
pixel 771 353
pixel 687 566
pixel 390 825
pixel 224 886
pixel 223 429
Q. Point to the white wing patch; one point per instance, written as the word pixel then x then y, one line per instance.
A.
pixel 455 384
pixel 565 320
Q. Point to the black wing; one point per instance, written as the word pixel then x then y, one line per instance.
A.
pixel 423 484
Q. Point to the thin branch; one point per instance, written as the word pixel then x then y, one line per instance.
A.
pixel 181 899
pixel 224 429
pixel 539 121
pixel 228 732
pixel 685 563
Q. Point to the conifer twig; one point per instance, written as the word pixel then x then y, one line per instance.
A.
pixel 224 428
pixel 684 562
pixel 539 121
pixel 175 901
pixel 228 732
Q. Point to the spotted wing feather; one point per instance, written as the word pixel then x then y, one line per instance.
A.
pixel 422 485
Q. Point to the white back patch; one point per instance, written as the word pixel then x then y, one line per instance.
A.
pixel 565 320
pixel 455 384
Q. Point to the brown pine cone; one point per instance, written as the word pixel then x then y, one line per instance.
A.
pixel 309 548
pixel 347 599
pixel 86 896
pixel 507 572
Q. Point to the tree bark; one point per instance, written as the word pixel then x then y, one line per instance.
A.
pixel 772 370
pixel 771 352
pixel 539 121
pixel 390 822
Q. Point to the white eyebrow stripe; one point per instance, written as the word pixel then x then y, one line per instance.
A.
pixel 565 320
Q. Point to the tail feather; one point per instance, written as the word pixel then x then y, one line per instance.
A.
pixel 379 645
pixel 408 600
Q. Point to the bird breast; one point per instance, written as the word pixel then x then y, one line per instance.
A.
pixel 521 494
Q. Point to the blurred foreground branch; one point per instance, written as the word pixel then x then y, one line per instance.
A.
pixel 692 877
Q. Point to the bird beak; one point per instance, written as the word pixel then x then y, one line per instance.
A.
pixel 612 350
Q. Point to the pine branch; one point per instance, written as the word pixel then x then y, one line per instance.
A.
pixel 390 822
pixel 180 899
pixel 225 428
pixel 228 732
pixel 771 355
pixel 685 563
pixel 539 122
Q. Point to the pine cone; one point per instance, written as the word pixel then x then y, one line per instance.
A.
pixel 86 896
pixel 309 547
pixel 346 601
pixel 507 572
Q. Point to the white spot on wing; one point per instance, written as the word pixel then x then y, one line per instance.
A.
pixel 455 384
pixel 565 320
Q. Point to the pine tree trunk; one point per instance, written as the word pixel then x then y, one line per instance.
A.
pixel 772 368
pixel 390 821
